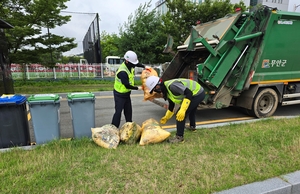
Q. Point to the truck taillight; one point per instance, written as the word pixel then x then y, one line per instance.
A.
pixel 238 9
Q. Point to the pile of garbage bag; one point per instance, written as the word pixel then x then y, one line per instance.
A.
pixel 109 136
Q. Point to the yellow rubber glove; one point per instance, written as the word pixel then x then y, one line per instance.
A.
pixel 168 115
pixel 184 106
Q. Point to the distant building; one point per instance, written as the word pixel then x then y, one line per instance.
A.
pixel 279 4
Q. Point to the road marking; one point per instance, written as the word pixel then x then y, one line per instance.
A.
pixel 28 116
pixel 132 95
pixel 212 121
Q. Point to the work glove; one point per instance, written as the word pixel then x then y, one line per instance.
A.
pixel 168 115
pixel 184 106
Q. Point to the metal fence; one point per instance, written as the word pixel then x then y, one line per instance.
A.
pixel 91 42
pixel 37 71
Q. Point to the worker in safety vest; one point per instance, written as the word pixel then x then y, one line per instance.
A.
pixel 185 92
pixel 124 83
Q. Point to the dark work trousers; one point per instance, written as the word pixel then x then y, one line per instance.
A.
pixel 122 102
pixel 191 112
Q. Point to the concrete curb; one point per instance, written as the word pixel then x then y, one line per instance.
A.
pixel 286 184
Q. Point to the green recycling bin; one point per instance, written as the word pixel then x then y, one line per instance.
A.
pixel 82 108
pixel 44 110
pixel 14 128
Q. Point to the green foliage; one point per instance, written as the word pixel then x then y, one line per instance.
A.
pixel 64 85
pixel 109 45
pixel 27 43
pixel 143 33
pixel 182 15
pixel 70 59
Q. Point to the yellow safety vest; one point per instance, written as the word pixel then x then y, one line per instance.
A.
pixel 118 86
pixel 190 84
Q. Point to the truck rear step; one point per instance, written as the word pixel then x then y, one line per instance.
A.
pixel 291 102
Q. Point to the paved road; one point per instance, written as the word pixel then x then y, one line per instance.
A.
pixel 143 110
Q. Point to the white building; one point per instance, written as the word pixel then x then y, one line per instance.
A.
pixel 161 7
pixel 279 4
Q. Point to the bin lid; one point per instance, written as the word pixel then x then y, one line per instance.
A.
pixel 80 95
pixel 43 97
pixel 12 99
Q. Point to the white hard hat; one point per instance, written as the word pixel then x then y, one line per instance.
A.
pixel 131 57
pixel 151 82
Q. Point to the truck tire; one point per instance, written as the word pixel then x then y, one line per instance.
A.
pixel 265 103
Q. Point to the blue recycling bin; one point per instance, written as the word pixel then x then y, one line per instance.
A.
pixel 82 107
pixel 44 110
pixel 14 128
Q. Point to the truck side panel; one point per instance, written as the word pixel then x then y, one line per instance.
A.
pixel 280 61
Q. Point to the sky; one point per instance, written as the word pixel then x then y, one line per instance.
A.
pixel 112 13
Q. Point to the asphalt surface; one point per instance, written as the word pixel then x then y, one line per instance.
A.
pixel 142 110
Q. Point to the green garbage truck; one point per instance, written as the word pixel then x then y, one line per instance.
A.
pixel 246 59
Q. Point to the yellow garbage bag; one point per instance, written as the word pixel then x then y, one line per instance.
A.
pixel 152 132
pixel 106 136
pixel 149 71
pixel 130 133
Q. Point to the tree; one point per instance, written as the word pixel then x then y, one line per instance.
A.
pixel 27 43
pixel 143 34
pixel 182 15
pixel 6 82
pixel 70 59
pixel 109 45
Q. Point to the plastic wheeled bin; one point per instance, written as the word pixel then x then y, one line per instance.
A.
pixel 14 128
pixel 82 108
pixel 44 110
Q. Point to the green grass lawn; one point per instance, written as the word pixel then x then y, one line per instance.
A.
pixel 210 160
pixel 62 86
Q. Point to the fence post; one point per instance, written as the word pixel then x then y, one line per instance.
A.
pixel 87 70
pixel 101 67
pixel 78 70
pixel 27 72
pixel 94 69
pixel 54 72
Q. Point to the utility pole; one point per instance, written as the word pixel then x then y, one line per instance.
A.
pixel 99 52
